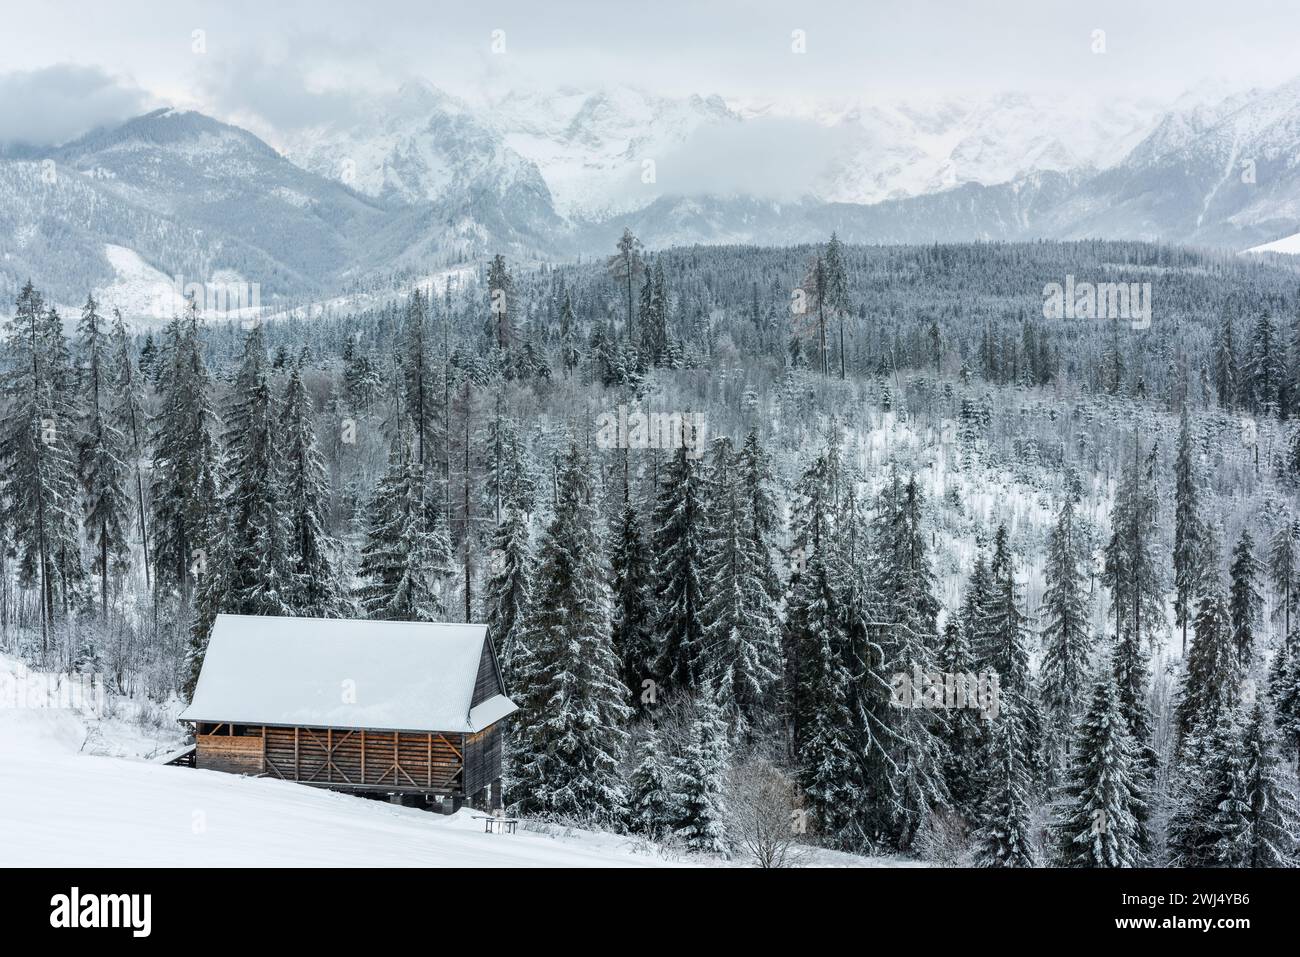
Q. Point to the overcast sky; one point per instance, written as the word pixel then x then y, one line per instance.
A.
pixel 68 64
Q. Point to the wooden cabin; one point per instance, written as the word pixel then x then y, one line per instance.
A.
pixel 409 710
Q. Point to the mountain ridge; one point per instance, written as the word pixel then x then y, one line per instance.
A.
pixel 425 179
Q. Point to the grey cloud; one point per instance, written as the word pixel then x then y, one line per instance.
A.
pixel 278 92
pixel 775 158
pixel 55 104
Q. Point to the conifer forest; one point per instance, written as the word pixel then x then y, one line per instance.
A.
pixel 893 552
pixel 716 437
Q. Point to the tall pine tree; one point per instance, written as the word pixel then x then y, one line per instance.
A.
pixel 570 731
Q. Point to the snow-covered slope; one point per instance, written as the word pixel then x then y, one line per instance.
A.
pixel 1287 244
pixel 1224 173
pixel 66 810
pixel 79 790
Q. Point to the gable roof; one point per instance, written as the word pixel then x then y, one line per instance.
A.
pixel 404 675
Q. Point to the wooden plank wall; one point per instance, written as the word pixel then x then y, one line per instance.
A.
pixel 487 683
pixel 415 761
pixel 235 754
pixel 482 759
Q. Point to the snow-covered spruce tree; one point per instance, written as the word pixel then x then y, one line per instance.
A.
pixel 100 453
pixel 130 419
pixel 1104 799
pixel 741 656
pixel 1131 571
pixel 764 514
pixel 210 576
pixel 1227 366
pixel 826 744
pixel 243 399
pixel 404 564
pixel 963 734
pixel 1265 373
pixel 812 514
pixel 633 587
pixel 1208 826
pixel 681 547
pixel 510 481
pixel 258 565
pixel 906 613
pixel 1130 668
pixel 40 508
pixel 1136 590
pixel 509 589
pixel 975 610
pixel 1272 838
pixel 650 806
pixel 1211 674
pixel 314 586
pixel 570 357
pixel 1067 643
pixel 1276 679
pixel 1002 838
pixel 1284 568
pixel 500 327
pixel 653 316
pixel 837 290
pixel 1008 657
pixel 623 267
pixel 1188 531
pixel 871 710
pixel 699 777
pixel 1286 699
pixel 1245 600
pixel 184 455
pixel 569 733
pixel 423 403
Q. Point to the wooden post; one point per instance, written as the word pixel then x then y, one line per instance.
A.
pixel 363 755
pixel 297 773
pixel 329 754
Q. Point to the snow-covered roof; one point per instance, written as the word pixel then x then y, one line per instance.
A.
pixel 340 673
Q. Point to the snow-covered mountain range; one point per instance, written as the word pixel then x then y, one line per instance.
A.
pixel 592 149
pixel 418 179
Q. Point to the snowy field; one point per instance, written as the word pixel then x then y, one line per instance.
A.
pixel 78 792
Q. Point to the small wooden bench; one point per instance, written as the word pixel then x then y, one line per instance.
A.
pixel 502 825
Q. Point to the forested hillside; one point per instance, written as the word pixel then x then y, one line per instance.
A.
pixel 871 473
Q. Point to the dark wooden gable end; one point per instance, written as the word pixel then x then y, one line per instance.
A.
pixel 483 750
pixel 488 682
